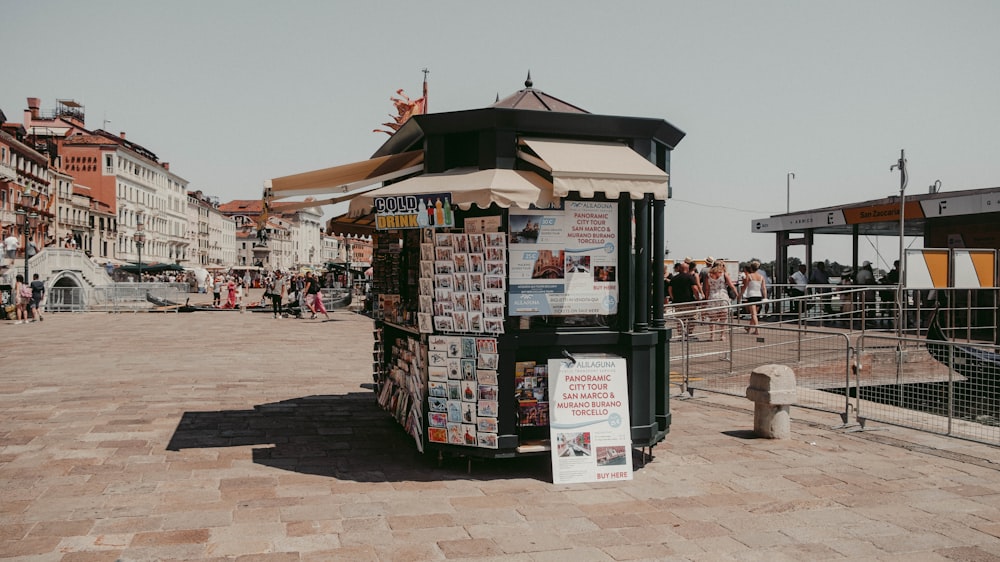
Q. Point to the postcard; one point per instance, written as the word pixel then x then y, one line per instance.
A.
pixel 493 310
pixel 427 236
pixel 487 425
pixel 496 239
pixel 468 369
pixel 486 345
pixel 488 440
pixel 476 282
pixel 437 358
pixel 487 408
pixel 438 343
pixel 469 434
pixel 435 404
pixel 454 411
pixel 493 326
pixel 495 255
pixel 475 302
pixel 469 411
pixel 476 243
pixel 454 346
pixel 455 434
pixel 454 390
pixel 487 392
pixel 444 267
pixel 495 282
pixel 469 391
pixel 477 263
pixel 486 376
pixel 460 320
pixel 426 269
pixel 461 283
pixel 460 302
pixel 488 361
pixel 454 369
pixel 443 281
pixel 444 324
pixel 461 263
pixel 427 252
pixel 437 435
pixel 442 239
pixel 437 389
pixel 475 321
pixel 496 268
pixel 437 373
pixel 438 419
pixel 494 296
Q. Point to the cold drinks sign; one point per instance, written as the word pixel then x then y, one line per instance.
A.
pixel 430 210
pixel 591 433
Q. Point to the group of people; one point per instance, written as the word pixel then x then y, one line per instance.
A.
pixel 688 288
pixel 306 289
pixel 27 299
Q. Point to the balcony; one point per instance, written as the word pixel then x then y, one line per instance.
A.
pixel 7 172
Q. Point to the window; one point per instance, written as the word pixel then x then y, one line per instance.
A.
pixel 109 163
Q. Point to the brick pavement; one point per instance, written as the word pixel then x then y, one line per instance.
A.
pixel 221 436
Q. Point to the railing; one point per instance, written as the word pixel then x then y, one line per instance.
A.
pixel 716 353
pixel 846 360
pixel 902 383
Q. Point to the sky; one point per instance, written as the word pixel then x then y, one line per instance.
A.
pixel 233 93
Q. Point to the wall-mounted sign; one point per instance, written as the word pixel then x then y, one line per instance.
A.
pixel 430 210
pixel 589 424
pixel 564 262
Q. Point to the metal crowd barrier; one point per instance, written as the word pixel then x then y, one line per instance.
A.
pixel 901 383
pixel 120 297
pixel 843 367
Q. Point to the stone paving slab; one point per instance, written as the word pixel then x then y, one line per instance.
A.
pixel 227 436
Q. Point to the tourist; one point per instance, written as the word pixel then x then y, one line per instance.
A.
pixel 11 246
pixel 230 293
pixel 239 297
pixel 22 294
pixel 819 276
pixel 866 277
pixel 278 291
pixel 37 294
pixel 216 283
pixel 754 291
pixel 716 288
pixel 799 281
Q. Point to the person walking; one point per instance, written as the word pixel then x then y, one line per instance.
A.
pixel 216 282
pixel 37 294
pixel 754 291
pixel 278 292
pixel 716 288
pixel 11 245
pixel 799 281
pixel 22 294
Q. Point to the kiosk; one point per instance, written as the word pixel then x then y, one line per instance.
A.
pixel 531 233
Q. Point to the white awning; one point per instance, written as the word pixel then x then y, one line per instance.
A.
pixel 348 177
pixel 468 186
pixel 591 167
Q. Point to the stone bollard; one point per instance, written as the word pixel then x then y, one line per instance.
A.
pixel 772 389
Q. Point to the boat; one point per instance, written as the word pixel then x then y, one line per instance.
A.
pixel 971 361
pixel 333 299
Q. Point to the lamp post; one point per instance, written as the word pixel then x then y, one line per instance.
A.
pixel 140 240
pixel 788 192
pixel 26 216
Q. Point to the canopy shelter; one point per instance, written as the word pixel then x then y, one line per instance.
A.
pixel 347 177
pixel 468 186
pixel 591 167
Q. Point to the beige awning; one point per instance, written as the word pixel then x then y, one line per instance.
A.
pixel 591 167
pixel 468 186
pixel 348 177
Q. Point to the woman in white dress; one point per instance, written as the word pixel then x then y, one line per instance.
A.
pixel 716 287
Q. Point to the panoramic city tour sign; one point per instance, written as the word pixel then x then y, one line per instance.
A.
pixel 428 210
pixel 564 261
pixel 589 424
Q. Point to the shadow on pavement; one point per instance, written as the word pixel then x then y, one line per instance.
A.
pixel 347 436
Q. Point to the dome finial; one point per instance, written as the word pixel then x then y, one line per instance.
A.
pixel 528 82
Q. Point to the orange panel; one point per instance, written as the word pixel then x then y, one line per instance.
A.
pixel 937 266
pixel 882 213
pixel 985 264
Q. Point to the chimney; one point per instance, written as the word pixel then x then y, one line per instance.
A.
pixel 122 135
pixel 166 166
pixel 33 106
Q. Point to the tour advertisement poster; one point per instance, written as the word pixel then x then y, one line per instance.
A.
pixel 590 427
pixel 564 261
pixel 431 210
